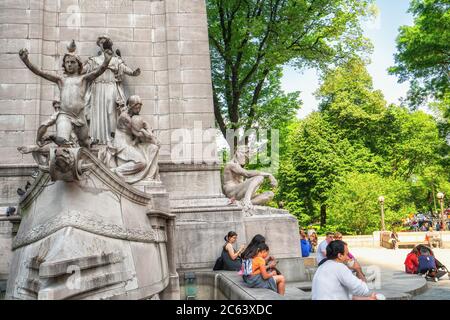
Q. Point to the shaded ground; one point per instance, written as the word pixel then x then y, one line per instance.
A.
pixel 393 260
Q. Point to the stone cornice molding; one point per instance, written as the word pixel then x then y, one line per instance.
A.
pixel 82 222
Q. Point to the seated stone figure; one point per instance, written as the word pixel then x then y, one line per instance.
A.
pixel 236 187
pixel 134 153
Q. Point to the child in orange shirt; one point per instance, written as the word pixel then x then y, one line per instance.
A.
pixel 259 277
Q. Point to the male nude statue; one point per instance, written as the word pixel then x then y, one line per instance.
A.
pixel 236 188
pixel 72 86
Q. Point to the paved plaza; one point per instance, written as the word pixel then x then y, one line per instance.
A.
pixel 393 260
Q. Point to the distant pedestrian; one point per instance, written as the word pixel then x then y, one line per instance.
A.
pixel 322 248
pixel 305 245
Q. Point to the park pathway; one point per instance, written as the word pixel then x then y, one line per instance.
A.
pixel 393 260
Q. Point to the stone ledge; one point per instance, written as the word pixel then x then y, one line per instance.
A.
pixel 14 170
pixel 232 285
pixel 169 166
pixel 17 170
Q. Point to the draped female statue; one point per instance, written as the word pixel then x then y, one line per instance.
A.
pixel 106 94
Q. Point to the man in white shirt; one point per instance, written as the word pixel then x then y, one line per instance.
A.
pixel 333 280
pixel 322 248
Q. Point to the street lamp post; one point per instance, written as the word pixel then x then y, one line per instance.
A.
pixel 440 197
pixel 381 201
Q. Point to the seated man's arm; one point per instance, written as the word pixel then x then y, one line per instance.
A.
pixel 247 173
pixel 253 173
pixel 356 286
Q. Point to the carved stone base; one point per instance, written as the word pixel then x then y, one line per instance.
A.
pixel 201 225
pixel 96 238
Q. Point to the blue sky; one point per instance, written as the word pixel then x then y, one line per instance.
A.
pixel 382 32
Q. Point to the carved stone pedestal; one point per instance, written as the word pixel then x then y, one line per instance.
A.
pixel 204 216
pixel 96 238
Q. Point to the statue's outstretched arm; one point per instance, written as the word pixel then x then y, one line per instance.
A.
pixel 254 173
pixel 97 72
pixel 128 71
pixel 23 53
pixel 248 173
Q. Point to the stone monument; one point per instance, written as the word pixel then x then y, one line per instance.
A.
pixel 85 231
pixel 178 223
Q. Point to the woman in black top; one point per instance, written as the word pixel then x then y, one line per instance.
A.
pixel 231 258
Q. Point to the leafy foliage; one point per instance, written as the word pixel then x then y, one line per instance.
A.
pixel 251 40
pixel 353 204
pixel 424 51
pixel 339 160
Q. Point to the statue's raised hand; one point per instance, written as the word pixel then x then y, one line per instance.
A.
pixel 136 72
pixel 108 54
pixel 23 53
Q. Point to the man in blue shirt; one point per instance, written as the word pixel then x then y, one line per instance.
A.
pixel 304 244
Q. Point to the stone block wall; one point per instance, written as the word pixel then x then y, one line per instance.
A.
pixel 5 248
pixel 167 39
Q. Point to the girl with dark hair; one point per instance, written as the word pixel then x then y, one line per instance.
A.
pixel 334 281
pixel 231 258
pixel 252 249
pixel 256 275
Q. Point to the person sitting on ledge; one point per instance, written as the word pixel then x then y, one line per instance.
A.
pixel 252 248
pixel 256 275
pixel 433 239
pixel 352 263
pixel 412 261
pixel 394 240
pixel 231 258
pixel 334 281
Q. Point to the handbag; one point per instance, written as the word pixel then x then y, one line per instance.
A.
pixel 219 264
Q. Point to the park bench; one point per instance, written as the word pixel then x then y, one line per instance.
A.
pixel 410 244
pixel 385 236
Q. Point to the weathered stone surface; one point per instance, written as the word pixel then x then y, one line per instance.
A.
pixel 62 230
pixel 168 40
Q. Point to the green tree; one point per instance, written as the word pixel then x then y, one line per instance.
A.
pixel 408 141
pixel 251 40
pixel 357 134
pixel 424 51
pixel 319 155
pixel 353 202
pixel 349 100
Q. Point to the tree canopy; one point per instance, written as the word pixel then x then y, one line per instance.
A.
pixel 251 40
pixel 355 148
pixel 423 55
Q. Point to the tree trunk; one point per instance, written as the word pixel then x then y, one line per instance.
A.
pixel 323 215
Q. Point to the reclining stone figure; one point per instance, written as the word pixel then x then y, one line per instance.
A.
pixel 236 188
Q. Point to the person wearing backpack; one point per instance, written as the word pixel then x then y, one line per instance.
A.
pixel 252 248
pixel 255 273
pixel 427 264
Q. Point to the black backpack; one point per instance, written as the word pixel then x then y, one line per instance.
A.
pixel 219 264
